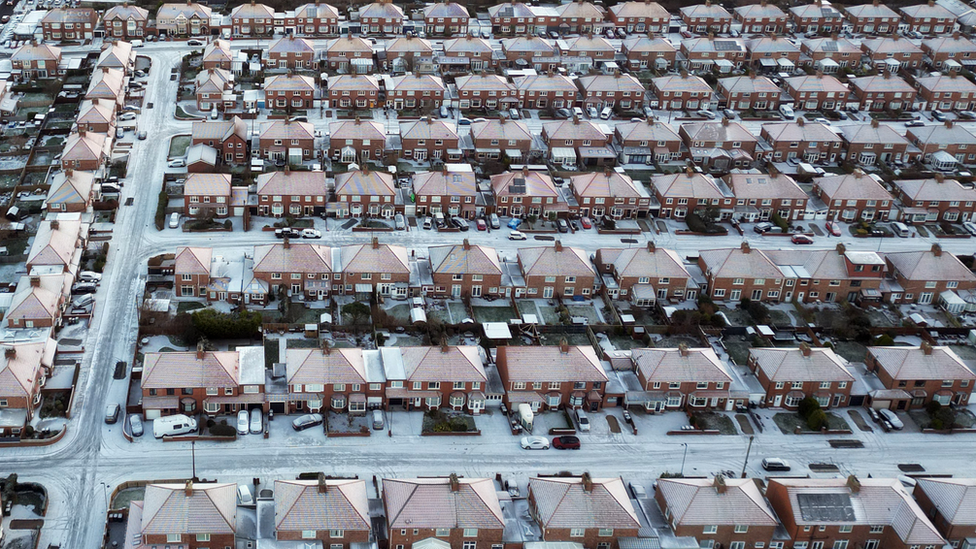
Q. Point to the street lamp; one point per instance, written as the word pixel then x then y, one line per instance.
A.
pixel 748 450
pixel 683 456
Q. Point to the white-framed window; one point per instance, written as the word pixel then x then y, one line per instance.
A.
pixel 577 532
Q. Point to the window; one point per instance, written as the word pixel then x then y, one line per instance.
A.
pixel 308 534
pixel 469 545
pixel 173 538
pixel 203 537
pixel 336 533
pixel 470 532
pixel 576 532
pixel 741 528
pixel 442 532
pixel 605 532
pixel 710 529
pixel 845 528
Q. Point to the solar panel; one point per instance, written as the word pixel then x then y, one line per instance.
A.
pixel 826 507
pixel 726 45
pixel 507 11
pixel 829 45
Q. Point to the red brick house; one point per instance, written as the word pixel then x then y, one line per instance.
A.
pixel 588 45
pixel 928 18
pixel 24 367
pixel 790 375
pixel 706 52
pixel 183 19
pixel 623 92
pixel 32 61
pixel 288 91
pixel 350 53
pixel 578 16
pixel 125 21
pixel 229 137
pixel 949 138
pixel 719 512
pixel 935 199
pixel 69 24
pixel 895 522
pixel 407 53
pixel 927 373
pixel 737 273
pixel 817 92
pixel 511 19
pixel 163 515
pixel 450 192
pixel 365 193
pixel 812 141
pixel 648 51
pixel 829 55
pixel 526 51
pixel 451 377
pixel 38 302
pixel 526 193
pixel 446 19
pixel 760 18
pixel 412 91
pixel 829 276
pixel 759 196
pixel 486 91
pixel 753 92
pixel 639 17
pixel 855 196
pixel 217 55
pixel 464 270
pixel 681 193
pixel 429 140
pixel 945 501
pixel 555 502
pixel 577 142
pixel 332 380
pixel 353 92
pixel 374 267
pixel 707 17
pixel 556 271
pixel 207 194
pixel 547 91
pixel 290 53
pixel 945 92
pixel 887 92
pixel 335 511
pixel 890 54
pixel 211 382
pixel 610 193
pixel 493 138
pixel 816 17
pixel 291 193
pixel 644 275
pixel 464 54
pixel 381 17
pixel 252 19
pixel 873 18
pixel 85 151
pixel 468 511
pixel 285 140
pixel 356 140
pixel 943 49
pixel 719 146
pixel 773 54
pixel 97 116
pixel 680 378
pixel 215 90
pixel 683 92
pixel 317 19
pixel 192 271
pixel 552 377
pixel 301 270
pixel 646 142
pixel 925 275
pixel 867 144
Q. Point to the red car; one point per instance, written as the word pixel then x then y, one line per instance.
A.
pixel 586 223
pixel 834 228
pixel 801 239
pixel 566 442
pixel 482 226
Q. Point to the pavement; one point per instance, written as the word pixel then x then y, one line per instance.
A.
pixel 93 458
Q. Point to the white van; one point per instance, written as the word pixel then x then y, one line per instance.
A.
pixel 606 113
pixel 787 112
pixel 901 229
pixel 174 220
pixel 173 425
pixel 582 420
pixel 136 43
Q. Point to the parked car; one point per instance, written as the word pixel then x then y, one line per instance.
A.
pixel 135 425
pixel 428 223
pixel 304 422
pixel 84 288
pixel 970 227
pixel 787 112
pixel 564 113
pixel 729 113
pixel 939 115
pixel 562 225
pixel 566 442
pixel 534 443
pixel 914 124
pixel 311 233
pixel 257 421
pixel 515 235
pixel 194 42
pixel 707 114
pixel 968 115
pixel 178 163
pixel 586 223
pixel 174 220
pixel 834 228
pixel 591 112
pixel 464 121
pixel 461 224
pixel 494 221
pixel 378 420
pixel 287 232
pixel 89 276
pixel 127 116
pixel 243 422
pixel 112 413
pixel 801 239
pixel 841 115
pixel 482 226
pixel 763 227
pixel 892 418
pixel 775 464
pixel 400 222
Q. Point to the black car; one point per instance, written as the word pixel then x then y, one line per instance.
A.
pixel 287 233
pixel 308 420
pixel 461 224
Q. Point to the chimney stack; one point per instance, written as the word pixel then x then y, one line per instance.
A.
pixel 564 346
pixel 466 244
pixel 35 282
pixel 852 482
pixel 445 348
pixel 936 250
pixel 55 225
pixel 745 247
pixel 10 353
pixel 286 243
pixel 455 485
pixel 188 489
pixel 841 249
pixel 926 348
pixel 719 484
pixel 201 352
pixel 559 246
pixel 805 349
pixel 683 350
pixel 323 483
pixel 587 482
pixel 376 243
pixel 874 122
pixel 800 121
pixel 725 121
pixel 650 246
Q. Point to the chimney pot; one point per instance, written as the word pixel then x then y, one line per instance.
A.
pixel 587 482
pixel 926 348
pixel 719 484
pixel 936 250
pixel 455 484
pixel 805 349
pixel 9 352
pixel 376 243
pixel 323 486
pixel 745 248
pixel 188 488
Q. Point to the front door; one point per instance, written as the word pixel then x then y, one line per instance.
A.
pixel 777 401
pixel 594 406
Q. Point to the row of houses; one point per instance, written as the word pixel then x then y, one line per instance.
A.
pixel 507 19
pixel 578 512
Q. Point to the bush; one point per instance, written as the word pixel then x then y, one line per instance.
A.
pixel 215 325
pixel 806 407
pixel 933 407
pixel 161 202
pixel 780 222
pixel 945 416
pixel 885 340
pixel 817 420
pixel 699 225
pixel 223 430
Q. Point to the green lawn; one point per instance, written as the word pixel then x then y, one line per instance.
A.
pixel 789 421
pixel 178 145
pixel 187 306
pixel 493 314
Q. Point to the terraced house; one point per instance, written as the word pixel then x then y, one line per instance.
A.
pixel 828 55
pixel 924 276
pixel 854 196
pixel 745 93
pixel 759 196
pixel 525 193
pixel 354 91
pixel 648 52
pixel 412 91
pixel 646 142
pixel 936 199
pixel 291 193
pixel 926 373
pixel 486 91
pixel 610 193
pixel 887 92
pixel 828 276
pixel 872 18
pixel 493 137
pixel 811 141
pixel 429 140
pixel 761 18
pixel 552 377
pixel 644 275
pixel 790 375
